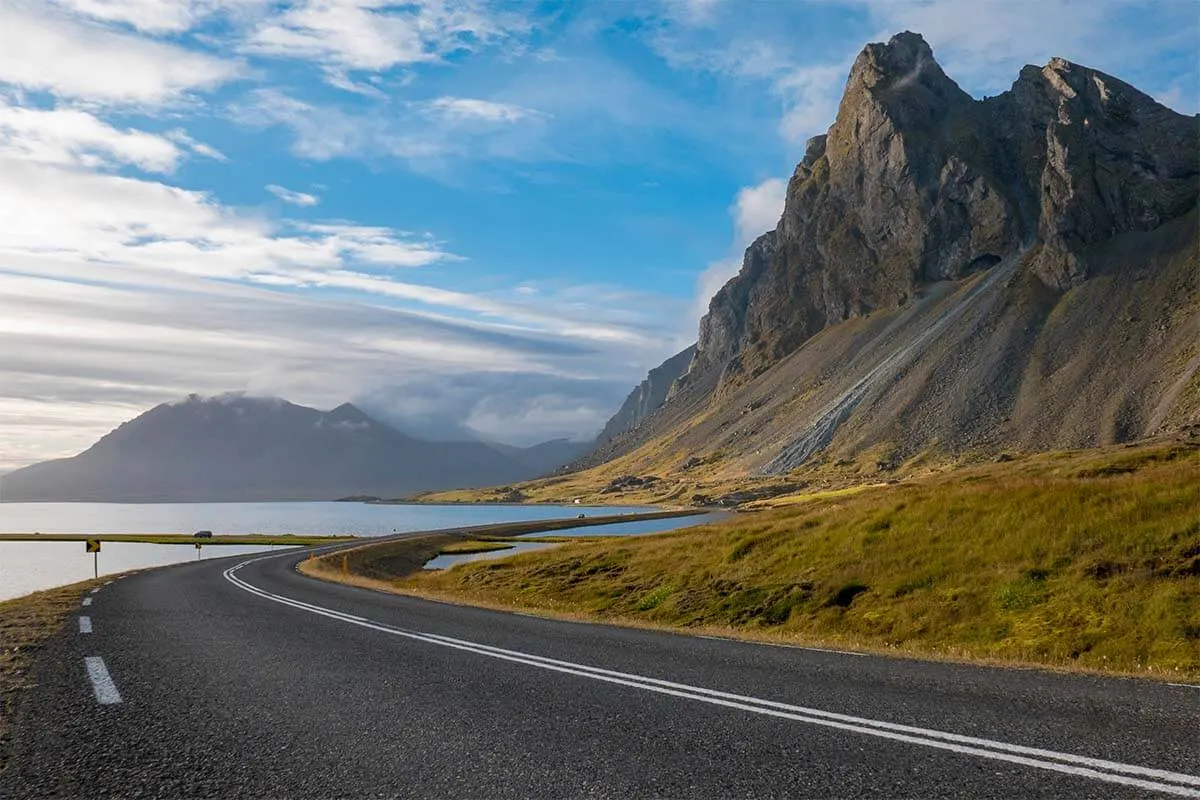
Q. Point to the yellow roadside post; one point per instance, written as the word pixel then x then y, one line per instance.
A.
pixel 93 547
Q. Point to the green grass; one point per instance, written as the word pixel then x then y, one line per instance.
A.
pixel 176 538
pixel 1087 559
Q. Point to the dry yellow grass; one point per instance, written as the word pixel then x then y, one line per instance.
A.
pixel 1088 560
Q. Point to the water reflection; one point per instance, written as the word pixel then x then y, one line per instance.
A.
pixel 32 566
pixel 454 559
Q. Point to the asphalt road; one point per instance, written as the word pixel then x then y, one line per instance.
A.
pixel 205 680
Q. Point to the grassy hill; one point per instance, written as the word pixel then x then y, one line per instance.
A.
pixel 1087 559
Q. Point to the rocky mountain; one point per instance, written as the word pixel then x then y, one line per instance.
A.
pixel 955 275
pixel 647 396
pixel 237 448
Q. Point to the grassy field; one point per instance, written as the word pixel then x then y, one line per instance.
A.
pixel 25 624
pixel 1085 560
pixel 176 538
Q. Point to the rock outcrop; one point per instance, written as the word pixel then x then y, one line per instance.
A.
pixel 953 274
pixel 648 396
pixel 918 182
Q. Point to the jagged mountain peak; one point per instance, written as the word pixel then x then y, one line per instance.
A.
pixel 950 272
pixel 904 61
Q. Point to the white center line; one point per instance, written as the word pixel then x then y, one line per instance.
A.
pixel 102 682
pixel 1081 766
pixel 87 601
pixel 85 624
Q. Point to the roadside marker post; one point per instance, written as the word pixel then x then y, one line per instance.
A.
pixel 93 547
pixel 197 551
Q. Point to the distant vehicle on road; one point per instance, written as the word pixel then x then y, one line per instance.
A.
pixel 203 535
pixel 582 516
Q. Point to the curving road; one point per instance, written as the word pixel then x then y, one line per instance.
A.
pixel 231 678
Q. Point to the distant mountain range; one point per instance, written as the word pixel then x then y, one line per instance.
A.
pixel 238 448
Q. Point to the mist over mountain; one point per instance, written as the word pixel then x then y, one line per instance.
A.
pixel 237 448
pixel 953 275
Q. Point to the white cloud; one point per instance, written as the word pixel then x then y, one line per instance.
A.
pixel 811 95
pixel 426 134
pixel 156 16
pixel 755 211
pixel 322 133
pixel 44 50
pixel 117 293
pixel 459 109
pixel 72 137
pixel 371 35
pixel 295 198
pixel 121 221
pixel 79 355
pixel 180 136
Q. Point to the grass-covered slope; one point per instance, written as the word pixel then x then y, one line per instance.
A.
pixel 1087 559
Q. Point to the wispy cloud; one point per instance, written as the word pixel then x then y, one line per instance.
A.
pixel 152 16
pixel 72 137
pixel 755 211
pixel 46 50
pixel 466 109
pixel 76 359
pixel 367 35
pixel 294 198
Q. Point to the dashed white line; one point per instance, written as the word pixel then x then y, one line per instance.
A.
pixel 87 601
pixel 1038 758
pixel 93 591
pixel 106 583
pixel 85 624
pixel 1184 685
pixel 102 683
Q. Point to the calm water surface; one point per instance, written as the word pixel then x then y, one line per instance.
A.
pixel 357 519
pixel 32 566
pixel 29 566
pixel 616 529
pixel 445 562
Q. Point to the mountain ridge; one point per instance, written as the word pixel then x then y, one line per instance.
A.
pixel 238 448
pixel 1080 189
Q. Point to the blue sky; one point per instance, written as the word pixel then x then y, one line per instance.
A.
pixel 474 219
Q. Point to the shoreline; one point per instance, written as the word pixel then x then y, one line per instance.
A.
pixel 253 539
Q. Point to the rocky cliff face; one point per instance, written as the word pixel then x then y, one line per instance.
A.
pixel 955 274
pixel 648 396
pixel 918 182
